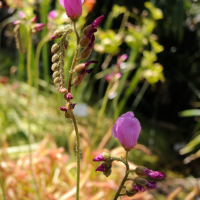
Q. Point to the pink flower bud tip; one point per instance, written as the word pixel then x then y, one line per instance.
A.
pixel 89 62
pixel 101 168
pixel 39 25
pixel 73 8
pixel 97 21
pixel 63 109
pixel 151 185
pixel 139 188
pixel 22 15
pixel 34 19
pixel 127 129
pixel 102 157
pixel 52 14
pixel 69 96
pixel 53 37
pixel 143 171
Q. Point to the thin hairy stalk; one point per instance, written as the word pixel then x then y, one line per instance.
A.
pixel 37 57
pixel 123 24
pixel 28 110
pixel 124 179
pixel 74 60
pixel 78 156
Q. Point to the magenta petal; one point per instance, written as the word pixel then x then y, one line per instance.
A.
pixel 62 3
pixel 63 109
pixel 127 129
pixel 154 174
pixel 99 158
pixel 101 168
pixel 151 185
pixel 138 188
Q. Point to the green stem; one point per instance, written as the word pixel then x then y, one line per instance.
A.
pixel 78 157
pixel 29 49
pixel 124 179
pixel 2 186
pixel 37 57
pixel 123 24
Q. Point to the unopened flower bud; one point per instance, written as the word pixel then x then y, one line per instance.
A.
pixel 68 96
pixel 22 15
pixel 55 74
pixel 87 29
pixel 68 114
pixel 143 171
pixel 104 156
pixel 79 78
pixel 84 42
pixel 103 167
pixel 81 67
pixel 66 43
pixel 63 109
pixel 85 53
pixel 55 48
pixel 54 67
pixel 57 34
pixel 140 181
pixel 62 90
pixel 130 191
pixel 55 58
pixel 70 105
pixel 107 172
pixel 56 80
pixel 34 19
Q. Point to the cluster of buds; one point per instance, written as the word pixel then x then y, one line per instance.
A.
pixel 140 183
pixel 58 51
pixel 88 38
pixel 34 28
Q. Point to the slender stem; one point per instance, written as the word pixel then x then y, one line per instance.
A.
pixel 78 157
pixel 37 57
pixel 124 179
pixel 123 24
pixel 77 154
pixel 74 60
pixel 28 110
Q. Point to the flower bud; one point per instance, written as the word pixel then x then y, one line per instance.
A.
pixel 85 53
pixel 107 172
pixel 130 191
pixel 56 80
pixel 138 188
pixel 81 67
pixel 87 29
pixel 62 90
pixel 55 58
pixel 68 115
pixel 103 167
pixel 104 156
pixel 84 42
pixel 55 48
pixel 34 19
pixel 55 74
pixel 63 109
pixel 70 105
pixel 79 78
pixel 140 181
pixel 54 67
pixel 57 34
pixel 143 171
pixel 68 96
pixel 66 43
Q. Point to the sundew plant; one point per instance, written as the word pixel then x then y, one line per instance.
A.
pixel 126 129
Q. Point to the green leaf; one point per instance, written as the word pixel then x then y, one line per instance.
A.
pixel 190 113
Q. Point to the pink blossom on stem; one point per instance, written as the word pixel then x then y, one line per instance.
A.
pixel 97 21
pixel 121 59
pixel 52 14
pixel 34 19
pixel 69 96
pixel 73 8
pixel 143 171
pixel 22 15
pixel 102 157
pixel 63 109
pixel 127 129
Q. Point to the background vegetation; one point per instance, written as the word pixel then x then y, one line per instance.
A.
pixel 159 83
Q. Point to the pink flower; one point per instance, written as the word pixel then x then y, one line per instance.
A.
pixel 73 8
pixel 34 19
pixel 121 59
pixel 143 171
pixel 127 129
pixel 22 15
pixel 52 14
pixel 102 157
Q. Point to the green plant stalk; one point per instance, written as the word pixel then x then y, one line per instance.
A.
pixel 135 80
pixel 124 179
pixel 21 66
pixel 44 9
pixel 37 58
pixel 29 49
pixel 78 157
